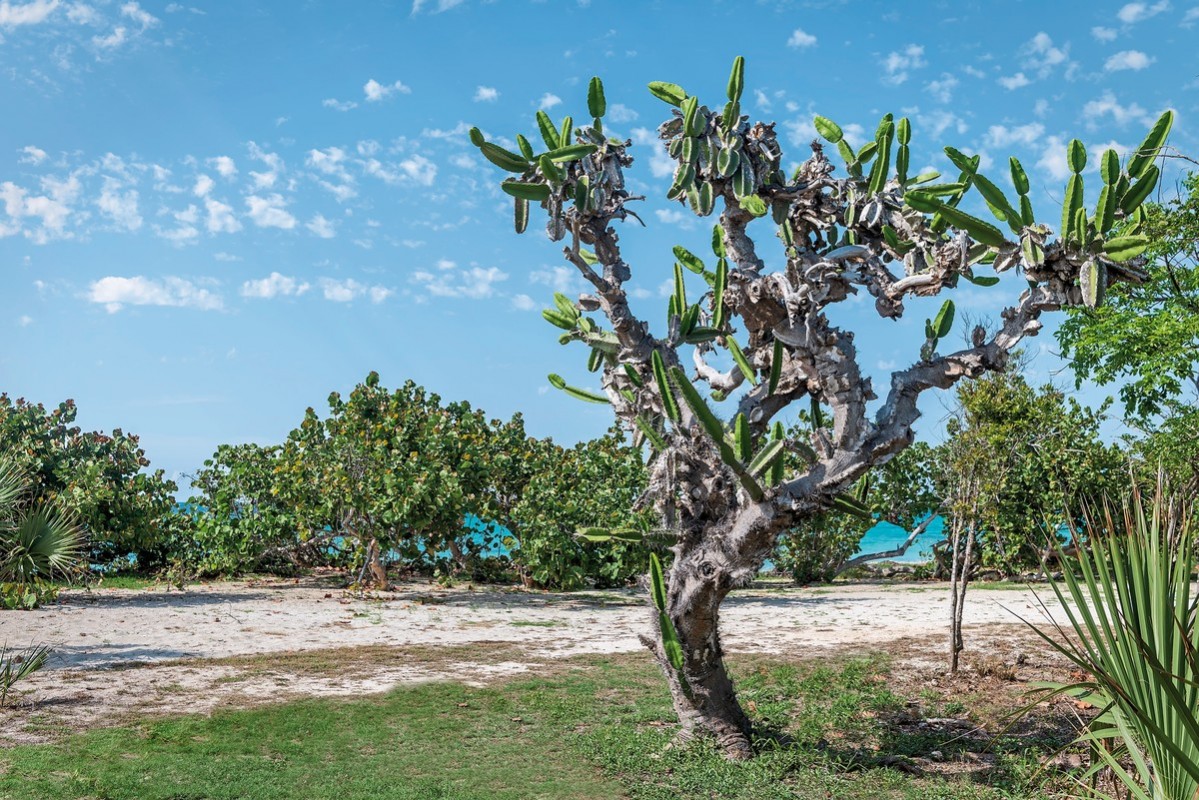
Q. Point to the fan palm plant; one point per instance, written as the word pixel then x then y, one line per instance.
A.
pixel 1129 602
pixel 34 544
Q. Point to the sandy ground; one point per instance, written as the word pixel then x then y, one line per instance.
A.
pixel 121 652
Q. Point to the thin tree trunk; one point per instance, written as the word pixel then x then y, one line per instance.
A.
pixel 955 574
pixel 375 561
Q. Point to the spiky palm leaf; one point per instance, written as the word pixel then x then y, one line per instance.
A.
pixel 16 666
pixel 1132 611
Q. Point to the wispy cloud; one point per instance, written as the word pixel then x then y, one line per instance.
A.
pixel 898 62
pixel 475 283
pixel 114 293
pixel 1106 105
pixel 348 290
pixel 274 285
pixel 1127 59
pixel 12 16
pixel 1013 82
pixel 1041 54
pixel 801 38
pixel 434 8
pixel 375 91
pixel 1132 13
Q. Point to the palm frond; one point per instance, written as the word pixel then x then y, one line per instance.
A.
pixel 15 666
pixel 43 543
pixel 1130 604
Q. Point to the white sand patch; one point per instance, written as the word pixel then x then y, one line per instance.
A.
pixel 97 636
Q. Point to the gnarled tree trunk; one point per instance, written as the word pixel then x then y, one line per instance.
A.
pixel 706 568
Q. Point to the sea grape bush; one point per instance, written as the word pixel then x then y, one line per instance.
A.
pixel 719 482
pixel 401 478
pixel 102 479
pixel 594 483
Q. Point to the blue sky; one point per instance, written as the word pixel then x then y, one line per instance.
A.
pixel 216 213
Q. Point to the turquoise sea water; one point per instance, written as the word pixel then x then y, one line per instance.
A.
pixel 883 536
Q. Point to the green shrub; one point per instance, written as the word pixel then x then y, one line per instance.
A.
pixel 594 484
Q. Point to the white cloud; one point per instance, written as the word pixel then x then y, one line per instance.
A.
pixel 897 63
pixel 118 206
pixel 1127 59
pixel 486 94
pixel 419 169
pixel 139 15
pixel 566 280
pixel 939 120
pixel 12 16
pixel 548 101
pixel 83 14
pixel 801 38
pixel 274 285
pixel 25 320
pixel 321 227
pixel 349 289
pixel 186 232
pixel 442 5
pixel 116 292
pixel 1012 82
pixel 1132 13
pixel 1190 17
pixel 221 218
pixel 329 162
pixel 52 208
pixel 1053 159
pixel 1000 136
pixel 111 41
pixel 269 212
pixel 942 88
pixel 120 34
pixel 619 112
pixel 459 130
pixel 376 91
pixel 670 216
pixel 32 155
pixel 203 185
pixel 1041 54
pixel 475 283
pixel 339 105
pixel 1103 34
pixel 224 165
pixel 273 162
pixel 522 302
pixel 660 163
pixel 1107 105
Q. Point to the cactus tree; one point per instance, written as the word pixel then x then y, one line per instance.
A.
pixel 721 480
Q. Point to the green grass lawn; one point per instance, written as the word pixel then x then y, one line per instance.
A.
pixel 595 728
